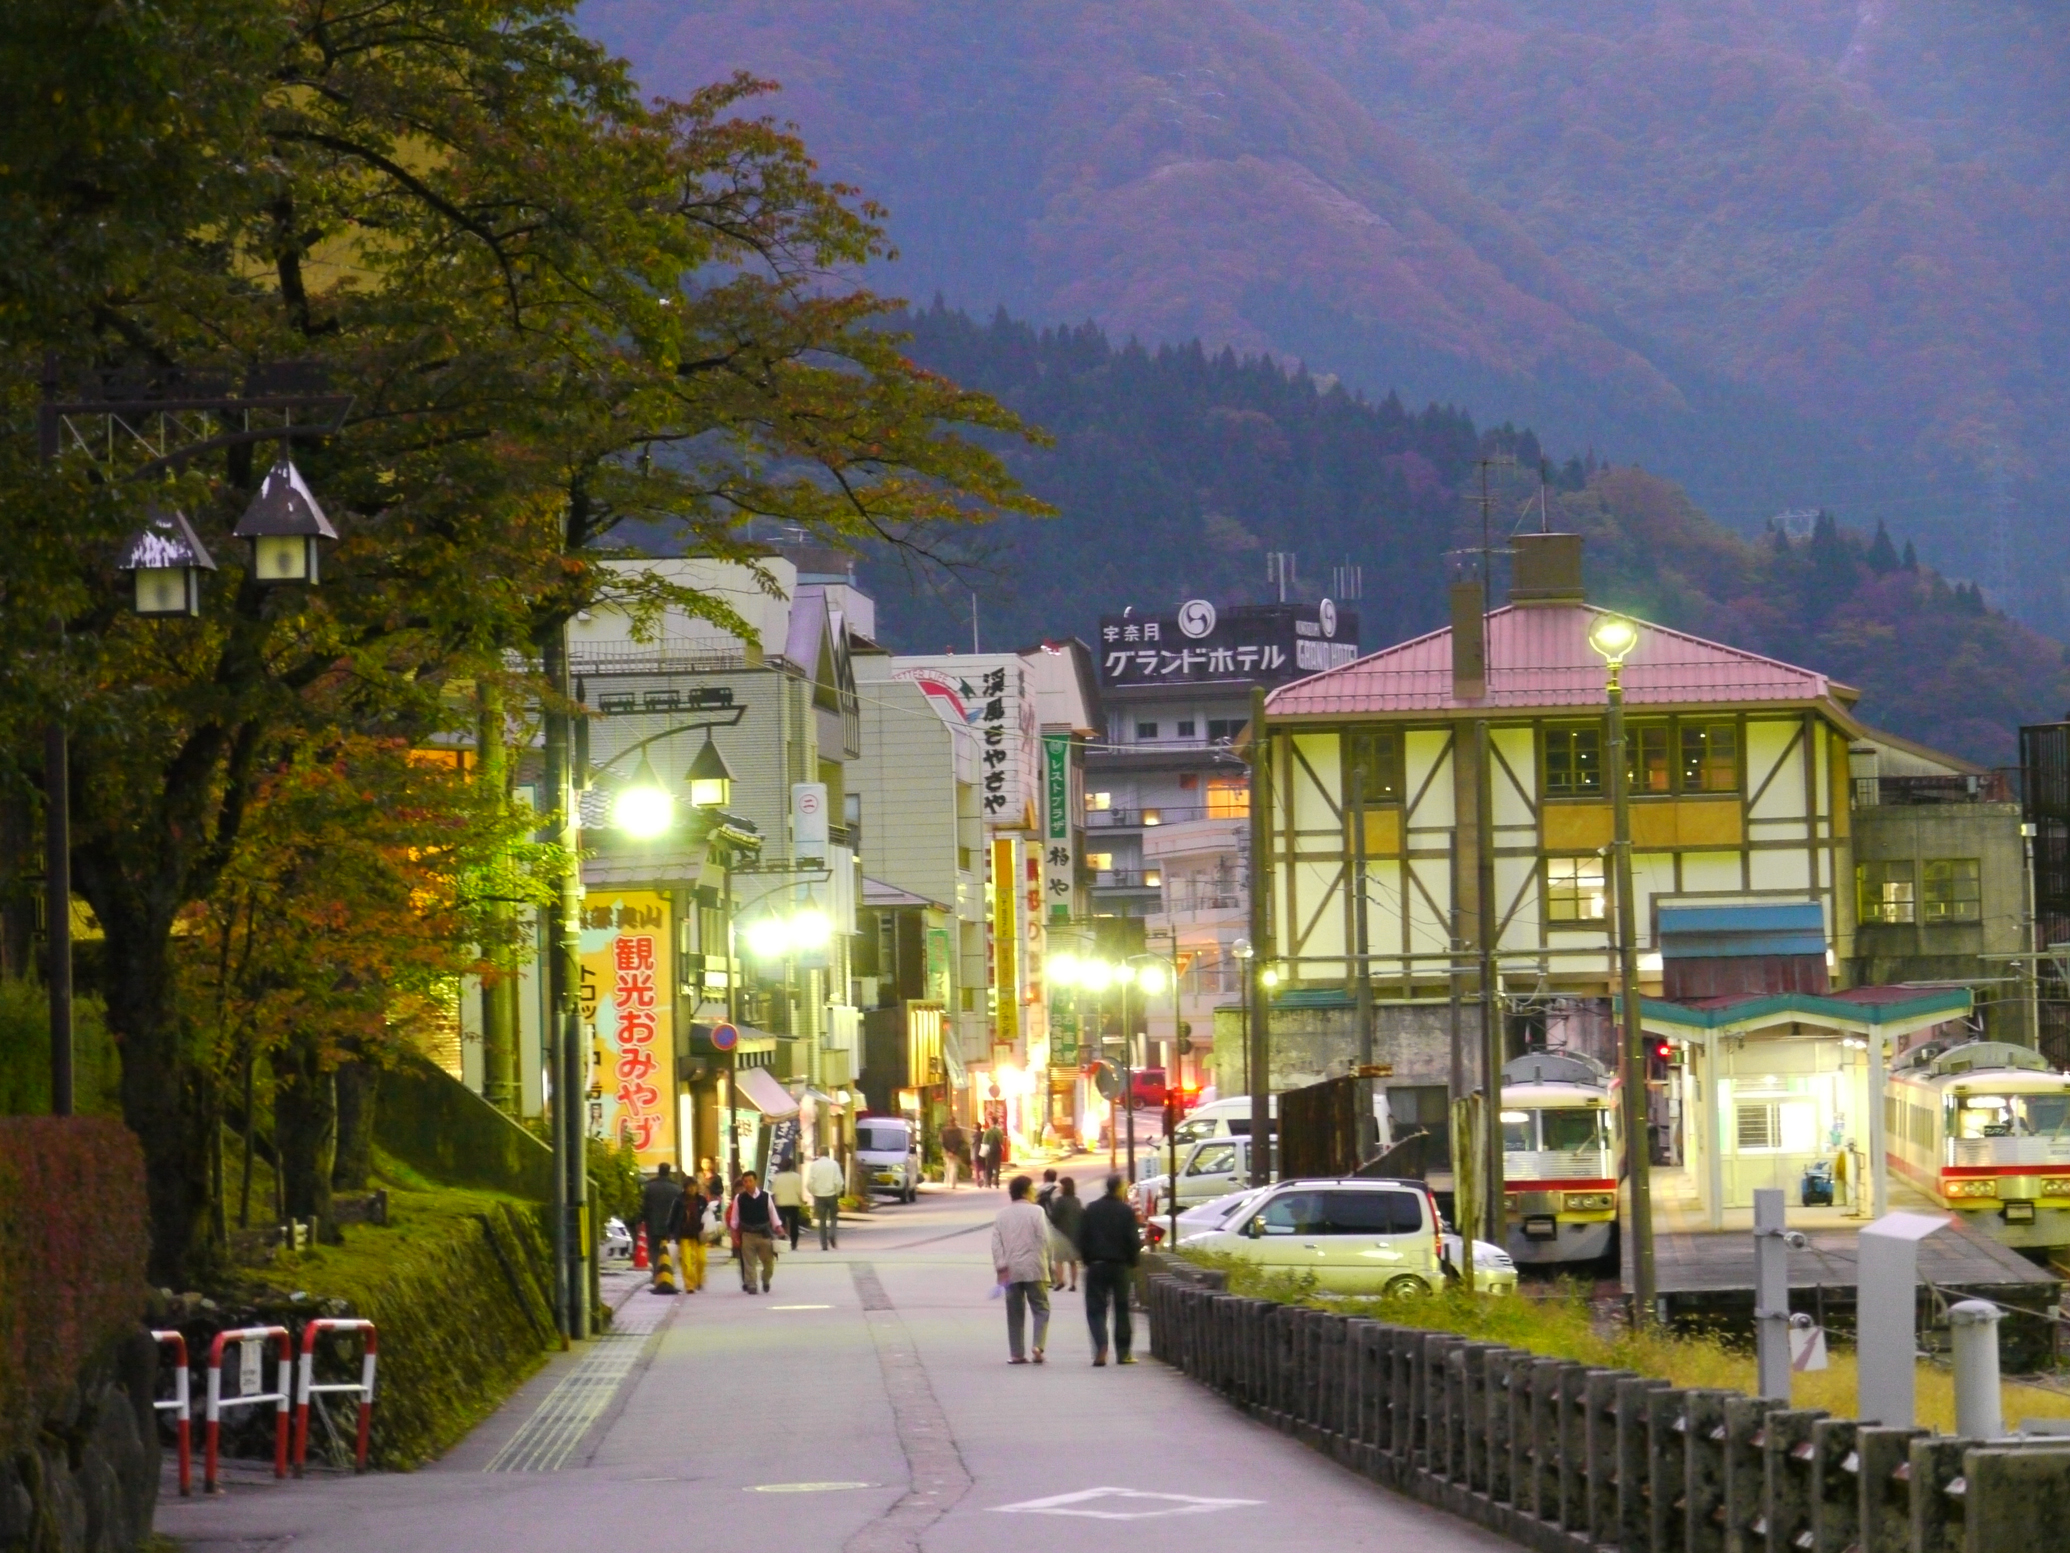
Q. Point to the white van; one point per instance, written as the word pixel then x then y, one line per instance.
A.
pixel 889 1155
pixel 1208 1168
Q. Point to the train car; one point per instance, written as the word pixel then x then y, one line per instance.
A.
pixel 1984 1129
pixel 1560 1157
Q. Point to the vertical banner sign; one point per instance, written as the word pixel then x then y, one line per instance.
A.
pixel 1059 857
pixel 1006 944
pixel 809 819
pixel 627 985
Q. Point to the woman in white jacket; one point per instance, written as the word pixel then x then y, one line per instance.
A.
pixel 1020 1256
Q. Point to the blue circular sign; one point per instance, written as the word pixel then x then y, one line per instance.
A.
pixel 725 1037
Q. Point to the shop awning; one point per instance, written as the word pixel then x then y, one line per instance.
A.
pixel 822 1098
pixel 758 1086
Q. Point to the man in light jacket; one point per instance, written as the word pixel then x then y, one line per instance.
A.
pixel 1020 1256
pixel 824 1180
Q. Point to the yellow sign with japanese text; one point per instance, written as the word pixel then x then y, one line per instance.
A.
pixel 628 987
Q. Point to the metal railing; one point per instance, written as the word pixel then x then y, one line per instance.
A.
pixel 1999 786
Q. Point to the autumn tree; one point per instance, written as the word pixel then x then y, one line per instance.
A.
pixel 557 308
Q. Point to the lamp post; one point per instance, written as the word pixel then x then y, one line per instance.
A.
pixel 1613 637
pixel 1148 972
pixel 1243 952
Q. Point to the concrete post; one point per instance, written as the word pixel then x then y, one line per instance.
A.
pixel 1771 1295
pixel 1573 1447
pixel 1633 1534
pixel 1835 1493
pixel 1886 1306
pixel 1704 1448
pixel 1667 1469
pixel 1937 1515
pixel 1544 1500
pixel 2018 1500
pixel 1886 1498
pixel 1978 1411
pixel 1746 1473
pixel 1786 1467
pixel 1477 1358
pixel 1602 1452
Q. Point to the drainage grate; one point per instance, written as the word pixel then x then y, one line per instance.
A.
pixel 546 1440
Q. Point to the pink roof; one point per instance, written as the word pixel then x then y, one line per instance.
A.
pixel 1538 655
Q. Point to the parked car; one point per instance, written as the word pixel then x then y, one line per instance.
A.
pixel 1208 1168
pixel 618 1239
pixel 1353 1236
pixel 1217 1212
pixel 1494 1269
pixel 889 1154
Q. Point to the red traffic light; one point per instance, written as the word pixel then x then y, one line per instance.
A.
pixel 1663 1051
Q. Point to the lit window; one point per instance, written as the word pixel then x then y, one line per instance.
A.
pixel 1153 816
pixel 1884 891
pixel 1710 757
pixel 1100 801
pixel 1228 799
pixel 1952 890
pixel 1573 761
pixel 1146 730
pixel 1759 1126
pixel 1574 889
pixel 1646 758
pixel 1153 878
pixel 1379 752
pixel 1100 862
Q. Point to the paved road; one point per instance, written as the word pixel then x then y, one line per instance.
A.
pixel 865 1407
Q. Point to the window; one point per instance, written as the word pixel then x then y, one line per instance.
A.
pixel 1574 889
pixel 1646 766
pixel 1884 891
pixel 1574 761
pixel 1759 1126
pixel 1518 1133
pixel 1100 862
pixel 1372 1213
pixel 1379 752
pixel 1570 1130
pixel 1710 757
pixel 1100 802
pixel 1218 1160
pixel 1189 781
pixel 1294 1213
pixel 1225 729
pixel 1153 816
pixel 1185 728
pixel 1952 890
pixel 1228 798
pixel 1153 878
pixel 963 859
pixel 1146 730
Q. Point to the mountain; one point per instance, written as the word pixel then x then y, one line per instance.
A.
pixel 1175 473
pixel 1795 253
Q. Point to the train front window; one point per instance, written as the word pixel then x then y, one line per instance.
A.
pixel 1519 1132
pixel 1571 1131
pixel 2012 1116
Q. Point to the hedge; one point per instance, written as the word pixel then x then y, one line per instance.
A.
pixel 73 1239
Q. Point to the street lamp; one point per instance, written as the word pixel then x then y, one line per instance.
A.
pixel 643 808
pixel 1245 952
pixel 166 560
pixel 284 523
pixel 711 780
pixel 1613 638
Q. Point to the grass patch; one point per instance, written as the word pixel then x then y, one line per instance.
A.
pixel 1569 1326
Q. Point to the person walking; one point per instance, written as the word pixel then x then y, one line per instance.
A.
pixel 690 1236
pixel 661 1211
pixel 992 1150
pixel 955 1153
pixel 1109 1240
pixel 787 1186
pixel 757 1223
pixel 1046 1193
pixel 1020 1256
pixel 1066 1223
pixel 824 1180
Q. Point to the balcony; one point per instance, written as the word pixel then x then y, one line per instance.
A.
pixel 1999 786
pixel 1128 879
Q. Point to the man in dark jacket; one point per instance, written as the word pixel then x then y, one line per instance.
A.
pixel 1109 1241
pixel 661 1208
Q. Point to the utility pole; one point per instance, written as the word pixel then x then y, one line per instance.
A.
pixel 564 980
pixel 1259 1033
pixel 1495 1199
pixel 1638 1151
pixel 57 865
pixel 1368 1132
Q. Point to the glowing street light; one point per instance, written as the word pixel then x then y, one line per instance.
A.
pixel 711 780
pixel 643 808
pixel 1613 637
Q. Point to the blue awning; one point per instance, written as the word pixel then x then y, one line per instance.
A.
pixel 1744 930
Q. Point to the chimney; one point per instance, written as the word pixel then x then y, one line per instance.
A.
pixel 1545 569
pixel 1469 641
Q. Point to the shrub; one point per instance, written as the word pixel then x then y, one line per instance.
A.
pixel 73 1239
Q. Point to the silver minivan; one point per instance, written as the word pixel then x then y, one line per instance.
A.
pixel 889 1155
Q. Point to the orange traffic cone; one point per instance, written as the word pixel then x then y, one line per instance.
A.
pixel 640 1248
pixel 664 1272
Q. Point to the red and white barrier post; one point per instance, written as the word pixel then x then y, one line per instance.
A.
pixel 180 1406
pixel 283 1381
pixel 307 1386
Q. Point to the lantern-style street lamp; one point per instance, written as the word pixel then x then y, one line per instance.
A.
pixel 711 780
pixel 166 560
pixel 284 523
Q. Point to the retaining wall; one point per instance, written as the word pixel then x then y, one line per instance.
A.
pixel 1556 1455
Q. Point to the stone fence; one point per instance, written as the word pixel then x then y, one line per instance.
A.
pixel 1557 1455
